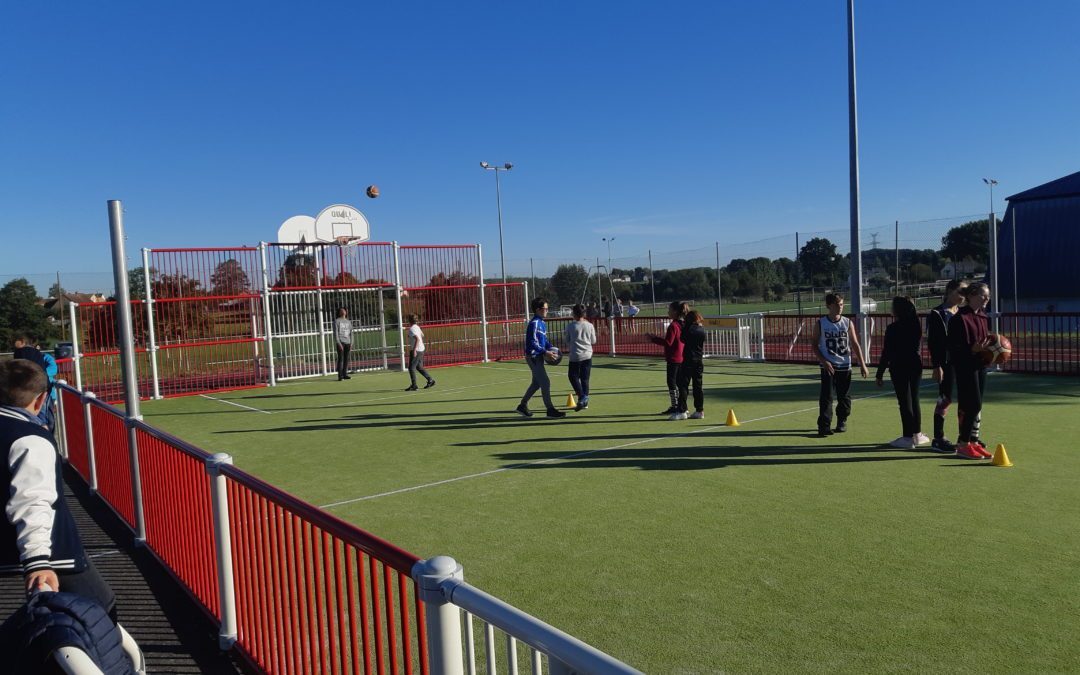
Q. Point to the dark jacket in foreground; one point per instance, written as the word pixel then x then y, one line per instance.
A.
pixel 693 339
pixel 966 329
pixel 902 349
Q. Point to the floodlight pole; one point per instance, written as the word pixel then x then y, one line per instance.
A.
pixel 995 280
pixel 853 168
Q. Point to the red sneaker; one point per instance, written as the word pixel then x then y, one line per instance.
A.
pixel 968 451
pixel 980 447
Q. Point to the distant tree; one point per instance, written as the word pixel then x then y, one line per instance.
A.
pixel 56 290
pixel 818 258
pixel 229 278
pixel 20 313
pixel 970 240
pixel 922 273
pixel 298 271
pixel 567 284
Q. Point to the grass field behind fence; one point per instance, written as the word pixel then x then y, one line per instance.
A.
pixel 691 547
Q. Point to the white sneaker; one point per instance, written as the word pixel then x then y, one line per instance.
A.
pixel 921 440
pixel 903 442
pixel 677 416
pixel 698 415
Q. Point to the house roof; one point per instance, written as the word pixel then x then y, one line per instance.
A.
pixel 1066 186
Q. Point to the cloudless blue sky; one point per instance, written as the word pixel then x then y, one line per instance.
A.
pixel 669 126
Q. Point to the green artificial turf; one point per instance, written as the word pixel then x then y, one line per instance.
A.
pixel 691 547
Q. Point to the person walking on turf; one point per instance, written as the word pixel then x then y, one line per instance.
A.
pixel 673 351
pixel 968 332
pixel 580 338
pixel 834 339
pixel 416 355
pixel 343 338
pixel 937 333
pixel 901 354
pixel 537 347
pixel 692 368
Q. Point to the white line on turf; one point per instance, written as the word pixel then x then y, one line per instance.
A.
pixel 238 405
pixel 577 454
pixel 405 395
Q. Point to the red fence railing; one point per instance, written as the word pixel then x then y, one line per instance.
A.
pixel 313 594
pixel 111 459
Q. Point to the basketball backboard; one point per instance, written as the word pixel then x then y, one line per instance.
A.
pixel 297 230
pixel 341 220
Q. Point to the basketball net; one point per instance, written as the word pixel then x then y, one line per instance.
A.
pixel 350 244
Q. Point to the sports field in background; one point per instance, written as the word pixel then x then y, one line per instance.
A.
pixel 691 547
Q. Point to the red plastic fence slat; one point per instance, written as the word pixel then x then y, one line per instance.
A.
pixel 75 433
pixel 113 461
pixel 380 662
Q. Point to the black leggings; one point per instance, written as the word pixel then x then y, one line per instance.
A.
pixel 970 385
pixel 673 383
pixel 906 384
pixel 944 399
pixel 691 372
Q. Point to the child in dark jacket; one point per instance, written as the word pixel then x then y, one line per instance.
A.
pixel 937 333
pixel 692 368
pixel 673 351
pixel 968 332
pixel 901 355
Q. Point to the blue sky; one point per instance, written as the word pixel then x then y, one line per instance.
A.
pixel 668 126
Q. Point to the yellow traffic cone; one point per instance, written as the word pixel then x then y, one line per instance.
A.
pixel 1001 458
pixel 732 421
pixel 570 401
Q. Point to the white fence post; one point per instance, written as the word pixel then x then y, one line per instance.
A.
pixel 319 308
pixel 136 480
pixel 442 619
pixel 759 321
pixel 268 332
pixel 483 305
pixel 89 425
pixel 151 346
pixel 397 294
pixel 223 548
pixel 61 423
pixel 382 328
pixel 76 353
pixel 611 335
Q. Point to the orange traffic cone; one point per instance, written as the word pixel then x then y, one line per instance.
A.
pixel 732 421
pixel 1001 458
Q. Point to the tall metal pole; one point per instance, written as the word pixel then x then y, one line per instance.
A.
pixel 853 168
pixel 995 280
pixel 798 275
pixel 60 307
pixel 599 290
pixel 652 283
pixel 719 294
pixel 127 356
pixel 897 258
pixel 498 205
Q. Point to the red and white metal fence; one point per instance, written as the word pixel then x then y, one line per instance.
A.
pixel 293 588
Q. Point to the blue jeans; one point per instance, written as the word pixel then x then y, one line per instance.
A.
pixel 579 377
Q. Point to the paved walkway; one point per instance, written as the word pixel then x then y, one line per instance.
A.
pixel 180 639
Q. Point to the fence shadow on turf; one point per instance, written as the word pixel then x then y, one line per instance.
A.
pixel 805 432
pixel 693 458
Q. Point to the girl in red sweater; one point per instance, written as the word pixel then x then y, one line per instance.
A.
pixel 673 350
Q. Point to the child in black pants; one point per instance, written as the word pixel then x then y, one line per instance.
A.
pixel 835 339
pixel 901 354
pixel 692 368
pixel 966 339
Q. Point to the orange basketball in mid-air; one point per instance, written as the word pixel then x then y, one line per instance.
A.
pixel 373 191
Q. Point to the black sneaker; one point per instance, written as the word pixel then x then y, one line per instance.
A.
pixel 555 414
pixel 943 446
pixel 411 387
pixel 671 410
pixel 430 384
pixel 523 411
pixel 841 426
pixel 824 431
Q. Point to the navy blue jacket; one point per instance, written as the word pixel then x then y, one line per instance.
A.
pixel 50 621
pixel 536 339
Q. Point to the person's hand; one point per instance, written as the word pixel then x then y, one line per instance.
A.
pixel 864 370
pixel 880 382
pixel 829 368
pixel 36 580
pixel 939 373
